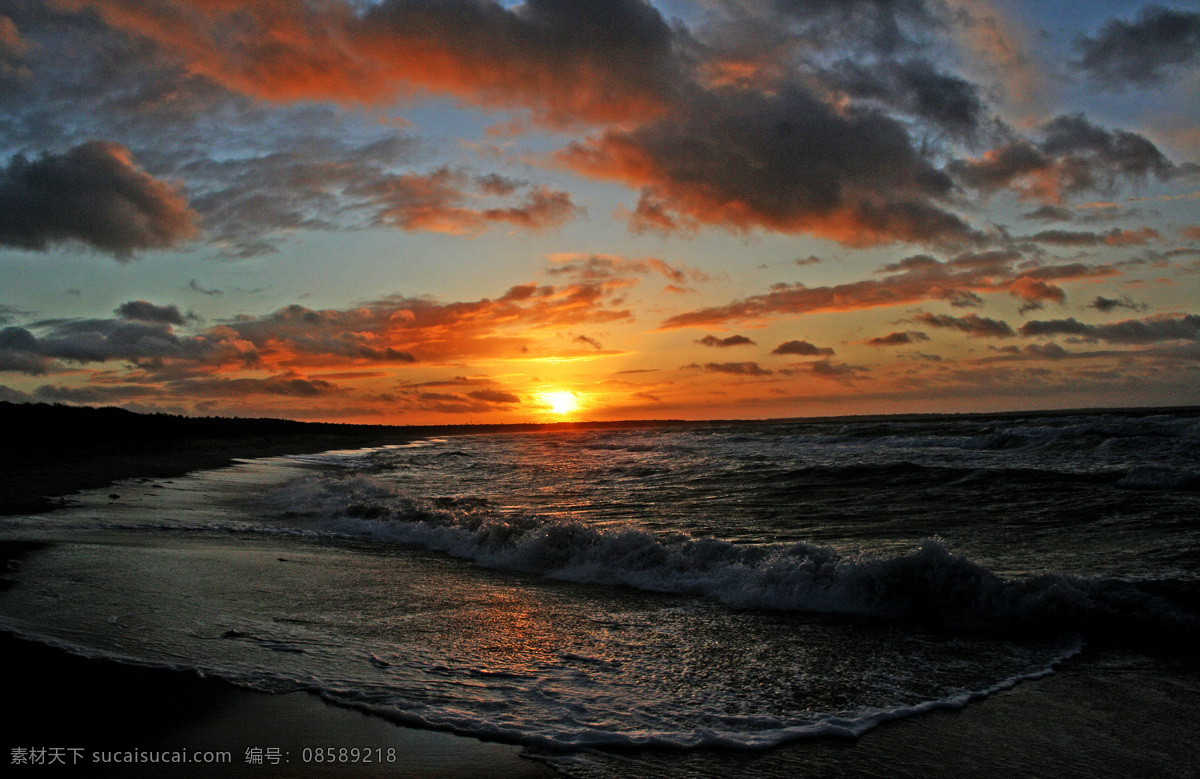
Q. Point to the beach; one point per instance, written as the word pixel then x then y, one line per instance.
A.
pixel 85 706
pixel 1119 707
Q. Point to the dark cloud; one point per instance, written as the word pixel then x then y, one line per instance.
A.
pixel 1072 156
pixel 784 161
pixel 971 324
pixel 478 402
pixel 802 349
pixel 1045 351
pixel 1114 237
pixel 916 88
pixel 721 343
pixel 92 394
pixel 1117 152
pixel 881 27
pixel 494 396
pixel 839 372
pixel 737 368
pixel 898 339
pixel 195 287
pixel 94 194
pixel 144 311
pixel 1105 305
pixel 10 395
pixel 592 342
pixel 1049 213
pixel 1144 51
pixel 1130 331
pixel 19 353
pixel 100 340
pixel 218 387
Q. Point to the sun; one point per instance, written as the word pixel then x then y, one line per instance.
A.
pixel 561 402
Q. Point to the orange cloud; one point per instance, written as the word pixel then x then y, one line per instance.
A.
pixel 910 281
pixel 564 61
pixel 436 203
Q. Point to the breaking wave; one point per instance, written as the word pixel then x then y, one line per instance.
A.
pixel 928 585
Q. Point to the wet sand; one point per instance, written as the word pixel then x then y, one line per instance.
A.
pixel 84 710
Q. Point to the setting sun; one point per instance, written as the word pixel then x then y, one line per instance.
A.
pixel 560 402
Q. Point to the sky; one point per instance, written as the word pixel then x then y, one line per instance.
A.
pixel 468 211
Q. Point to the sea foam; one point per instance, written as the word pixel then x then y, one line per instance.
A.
pixel 929 584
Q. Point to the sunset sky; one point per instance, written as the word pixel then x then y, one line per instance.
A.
pixel 428 211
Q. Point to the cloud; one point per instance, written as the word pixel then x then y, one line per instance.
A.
pixel 436 203
pixel 1050 213
pixel 195 287
pixel 722 343
pixel 478 402
pixel 916 88
pixel 1072 156
pixel 101 340
pixel 592 342
pixel 494 396
pixel 562 59
pixel 914 279
pixel 92 395
pixel 785 161
pixel 143 311
pixel 737 368
pixel 95 194
pixel 612 268
pixel 1143 52
pixel 248 202
pixel 1105 305
pixel 285 385
pixel 898 339
pixel 802 349
pixel 19 353
pixel 839 372
pixel 971 324
pixel 394 331
pixel 1045 351
pixel 1130 331
pixel 1115 237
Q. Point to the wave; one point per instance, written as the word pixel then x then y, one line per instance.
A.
pixel 928 585
pixel 1104 433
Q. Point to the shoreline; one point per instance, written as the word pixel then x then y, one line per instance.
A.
pixel 92 712
pixel 83 710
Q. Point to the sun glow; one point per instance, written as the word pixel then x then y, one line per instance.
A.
pixel 560 402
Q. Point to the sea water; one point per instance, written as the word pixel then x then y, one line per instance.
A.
pixel 703 586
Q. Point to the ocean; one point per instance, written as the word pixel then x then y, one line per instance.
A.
pixel 659 599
